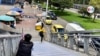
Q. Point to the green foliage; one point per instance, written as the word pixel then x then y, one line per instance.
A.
pixel 83 21
pixel 81 1
pixel 39 1
pixel 84 12
pixel 95 3
pixel 61 4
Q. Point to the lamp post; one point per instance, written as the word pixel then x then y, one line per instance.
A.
pixel 47 7
pixel 83 2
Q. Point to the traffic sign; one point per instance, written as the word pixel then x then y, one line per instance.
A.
pixel 90 9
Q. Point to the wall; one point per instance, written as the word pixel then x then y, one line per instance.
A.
pixel 9 44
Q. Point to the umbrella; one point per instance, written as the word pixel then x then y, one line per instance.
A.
pixel 6 18
pixel 17 9
pixel 13 13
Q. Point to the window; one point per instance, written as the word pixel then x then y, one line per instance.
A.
pixel 98 16
pixel 60 30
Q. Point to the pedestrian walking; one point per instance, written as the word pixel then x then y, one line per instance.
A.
pixel 21 3
pixel 41 34
pixel 25 46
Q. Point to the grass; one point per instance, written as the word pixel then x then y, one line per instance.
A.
pixel 43 5
pixel 83 21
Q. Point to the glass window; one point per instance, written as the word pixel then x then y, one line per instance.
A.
pixel 48 18
pixel 60 30
pixel 98 16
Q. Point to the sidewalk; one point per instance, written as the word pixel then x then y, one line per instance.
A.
pixel 72 10
pixel 49 49
pixel 28 24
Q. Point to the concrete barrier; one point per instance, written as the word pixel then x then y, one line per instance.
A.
pixel 9 44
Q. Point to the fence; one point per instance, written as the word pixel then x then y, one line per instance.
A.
pixel 9 44
pixel 71 41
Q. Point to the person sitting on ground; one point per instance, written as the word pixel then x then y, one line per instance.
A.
pixel 25 46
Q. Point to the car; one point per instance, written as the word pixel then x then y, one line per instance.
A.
pixel 58 28
pixel 52 15
pixel 48 20
pixel 95 43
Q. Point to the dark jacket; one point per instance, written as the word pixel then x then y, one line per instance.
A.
pixel 24 48
pixel 41 34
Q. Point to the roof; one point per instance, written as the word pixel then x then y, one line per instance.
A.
pixel 74 27
pixel 58 26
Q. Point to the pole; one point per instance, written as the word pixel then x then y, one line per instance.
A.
pixel 83 2
pixel 47 7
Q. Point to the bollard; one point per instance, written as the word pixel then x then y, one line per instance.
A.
pixel 98 54
pixel 71 42
pixel 50 38
pixel 86 44
pixel 62 41
pixel 1 48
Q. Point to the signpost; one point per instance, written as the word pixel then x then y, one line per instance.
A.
pixel 90 9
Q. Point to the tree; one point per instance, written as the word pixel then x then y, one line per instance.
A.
pixel 39 1
pixel 62 4
pixel 81 2
pixel 96 4
pixel 84 12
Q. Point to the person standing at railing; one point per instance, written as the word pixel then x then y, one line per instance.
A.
pixel 25 46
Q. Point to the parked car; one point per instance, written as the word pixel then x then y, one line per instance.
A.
pixel 48 20
pixel 95 43
pixel 52 15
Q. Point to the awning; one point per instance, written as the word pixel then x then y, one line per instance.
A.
pixel 13 13
pixel 6 18
pixel 17 9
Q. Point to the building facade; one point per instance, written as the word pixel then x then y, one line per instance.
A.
pixel 7 1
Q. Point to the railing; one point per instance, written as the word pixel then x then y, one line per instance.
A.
pixel 9 44
pixel 71 43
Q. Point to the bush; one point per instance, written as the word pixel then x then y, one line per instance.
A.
pixel 84 12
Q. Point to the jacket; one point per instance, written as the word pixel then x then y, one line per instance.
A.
pixel 24 48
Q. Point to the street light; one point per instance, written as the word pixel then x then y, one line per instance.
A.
pixel 47 7
pixel 83 2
